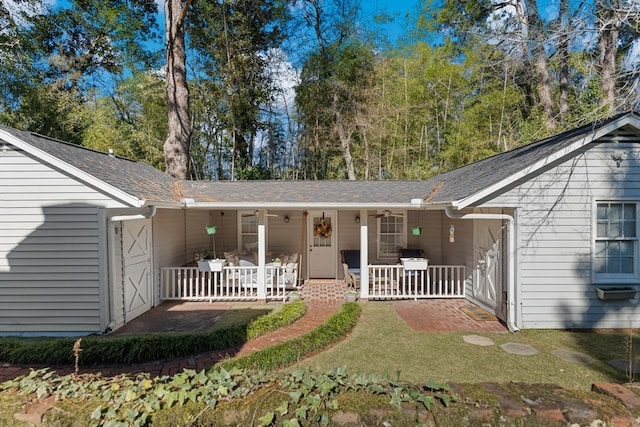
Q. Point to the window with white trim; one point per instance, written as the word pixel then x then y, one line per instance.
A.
pixel 616 244
pixel 391 235
pixel 248 232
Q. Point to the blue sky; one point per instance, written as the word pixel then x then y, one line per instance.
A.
pixel 396 9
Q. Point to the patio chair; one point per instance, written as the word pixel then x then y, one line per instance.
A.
pixel 349 279
pixel 284 275
pixel 351 257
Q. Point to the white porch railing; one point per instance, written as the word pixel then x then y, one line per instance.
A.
pixel 232 283
pixel 438 281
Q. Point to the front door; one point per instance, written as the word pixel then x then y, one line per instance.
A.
pixel 487 286
pixel 136 253
pixel 323 253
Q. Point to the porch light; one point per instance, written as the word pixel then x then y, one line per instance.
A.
pixel 618 156
pixel 286 218
pixel 357 219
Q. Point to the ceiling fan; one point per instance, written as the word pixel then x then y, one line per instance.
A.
pixel 385 214
pixel 255 213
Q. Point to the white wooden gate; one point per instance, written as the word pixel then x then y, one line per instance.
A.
pixel 487 283
pixel 137 268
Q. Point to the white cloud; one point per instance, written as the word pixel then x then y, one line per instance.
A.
pixel 286 78
pixel 17 9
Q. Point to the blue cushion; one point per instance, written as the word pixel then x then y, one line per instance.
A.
pixel 351 258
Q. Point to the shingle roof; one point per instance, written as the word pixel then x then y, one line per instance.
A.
pixel 475 177
pixel 147 183
pixel 329 192
pixel 137 179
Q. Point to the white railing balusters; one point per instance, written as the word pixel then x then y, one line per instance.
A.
pixel 438 281
pixel 240 283
pixel 232 283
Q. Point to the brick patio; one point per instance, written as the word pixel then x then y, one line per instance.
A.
pixel 443 315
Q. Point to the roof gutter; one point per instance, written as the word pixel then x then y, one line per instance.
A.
pixel 511 315
pixel 144 215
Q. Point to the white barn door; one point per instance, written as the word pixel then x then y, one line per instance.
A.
pixel 487 281
pixel 137 268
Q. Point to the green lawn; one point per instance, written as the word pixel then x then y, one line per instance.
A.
pixel 382 343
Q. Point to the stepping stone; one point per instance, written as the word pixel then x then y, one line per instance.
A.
pixel 574 356
pixel 478 340
pixel 519 349
pixel 623 365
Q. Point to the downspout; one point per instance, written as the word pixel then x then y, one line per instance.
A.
pixel 511 321
pixel 112 220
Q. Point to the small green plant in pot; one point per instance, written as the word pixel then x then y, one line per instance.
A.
pixel 209 262
pixel 294 295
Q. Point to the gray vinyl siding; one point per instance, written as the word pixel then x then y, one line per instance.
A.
pixel 286 237
pixel 554 235
pixel 460 252
pixel 51 271
pixel 170 247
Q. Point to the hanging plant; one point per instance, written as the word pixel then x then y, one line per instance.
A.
pixel 323 228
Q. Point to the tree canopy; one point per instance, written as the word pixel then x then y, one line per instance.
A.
pixel 313 89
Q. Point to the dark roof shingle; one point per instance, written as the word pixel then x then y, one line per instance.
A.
pixel 147 183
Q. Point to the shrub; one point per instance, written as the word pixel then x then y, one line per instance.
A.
pixel 287 315
pixel 142 348
pixel 289 352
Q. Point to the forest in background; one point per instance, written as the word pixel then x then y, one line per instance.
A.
pixel 309 89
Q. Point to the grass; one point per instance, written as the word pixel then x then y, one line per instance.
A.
pixel 382 343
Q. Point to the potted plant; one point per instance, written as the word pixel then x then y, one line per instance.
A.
pixel 210 262
pixel 351 295
pixel 414 263
pixel 294 295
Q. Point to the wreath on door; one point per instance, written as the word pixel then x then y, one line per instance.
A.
pixel 323 228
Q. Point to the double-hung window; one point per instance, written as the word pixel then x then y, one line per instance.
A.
pixel 391 237
pixel 616 245
pixel 248 232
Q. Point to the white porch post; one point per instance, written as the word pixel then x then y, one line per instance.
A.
pixel 262 252
pixel 364 255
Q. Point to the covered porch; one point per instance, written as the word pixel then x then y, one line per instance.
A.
pixel 278 252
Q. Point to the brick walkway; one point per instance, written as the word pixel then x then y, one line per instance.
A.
pixel 323 299
pixel 320 308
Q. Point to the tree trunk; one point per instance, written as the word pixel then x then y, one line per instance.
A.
pixel 544 87
pixel 177 144
pixel 345 138
pixel 563 50
pixel 607 61
pixel 542 64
